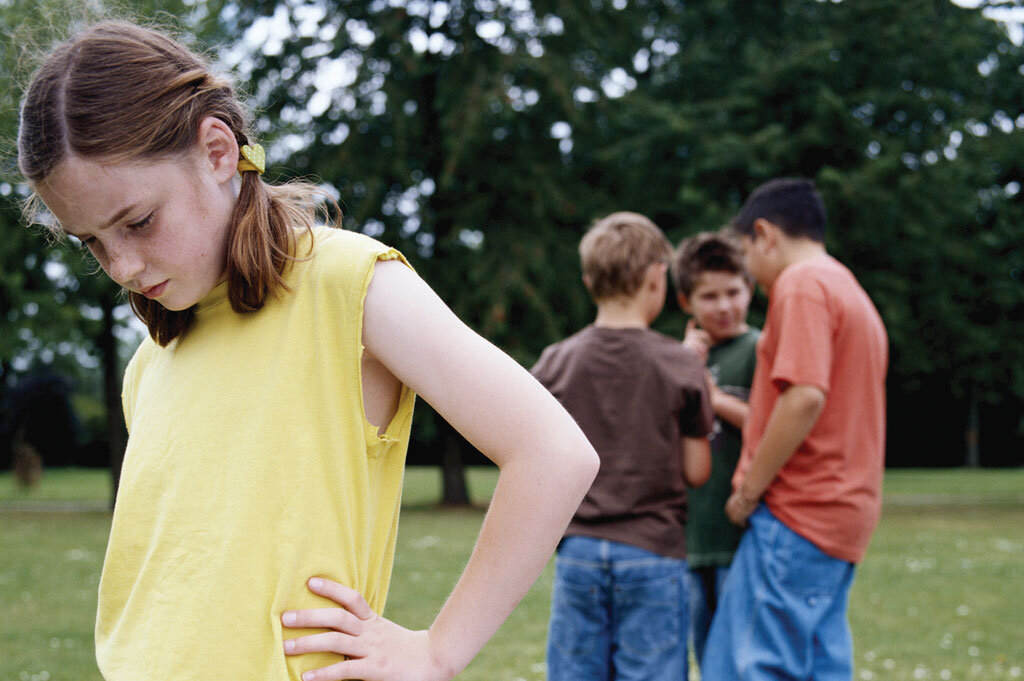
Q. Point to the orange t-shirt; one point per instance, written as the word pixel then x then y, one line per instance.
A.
pixel 822 330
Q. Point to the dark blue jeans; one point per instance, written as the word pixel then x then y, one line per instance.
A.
pixel 617 612
pixel 705 588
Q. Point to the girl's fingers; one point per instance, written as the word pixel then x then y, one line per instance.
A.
pixel 348 598
pixel 330 642
pixel 323 618
pixel 349 669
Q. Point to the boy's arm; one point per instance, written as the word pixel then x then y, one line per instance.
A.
pixel 696 458
pixel 729 408
pixel 795 413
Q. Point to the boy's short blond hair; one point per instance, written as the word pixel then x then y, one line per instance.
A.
pixel 616 252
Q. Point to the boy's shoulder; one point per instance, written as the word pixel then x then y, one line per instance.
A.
pixel 823 273
pixel 618 347
pixel 593 338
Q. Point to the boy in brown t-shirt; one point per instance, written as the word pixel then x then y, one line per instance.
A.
pixel 619 600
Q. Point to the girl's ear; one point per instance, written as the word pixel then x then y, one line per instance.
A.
pixel 217 148
pixel 683 301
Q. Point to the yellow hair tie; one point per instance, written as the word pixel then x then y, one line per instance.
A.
pixel 253 158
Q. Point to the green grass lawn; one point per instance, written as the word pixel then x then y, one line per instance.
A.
pixel 936 597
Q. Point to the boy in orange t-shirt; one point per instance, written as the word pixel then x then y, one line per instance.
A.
pixel 810 473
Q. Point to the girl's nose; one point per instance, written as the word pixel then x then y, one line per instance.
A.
pixel 124 264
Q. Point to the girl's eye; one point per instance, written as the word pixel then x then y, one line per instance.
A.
pixel 83 242
pixel 144 222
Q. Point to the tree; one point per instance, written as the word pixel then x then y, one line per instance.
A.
pixel 442 138
pixel 911 128
pixel 482 136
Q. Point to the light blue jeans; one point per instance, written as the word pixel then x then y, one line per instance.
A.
pixel 783 611
pixel 705 589
pixel 617 612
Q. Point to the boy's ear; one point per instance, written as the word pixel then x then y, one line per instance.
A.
pixel 767 230
pixel 217 148
pixel 683 301
pixel 655 275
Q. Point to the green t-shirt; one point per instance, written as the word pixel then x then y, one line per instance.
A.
pixel 710 538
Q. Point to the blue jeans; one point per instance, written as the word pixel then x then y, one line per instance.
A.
pixel 705 589
pixel 783 611
pixel 617 612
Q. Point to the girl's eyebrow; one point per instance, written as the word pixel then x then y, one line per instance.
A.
pixel 119 215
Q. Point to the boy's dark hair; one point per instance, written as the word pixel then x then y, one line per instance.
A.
pixel 793 204
pixel 706 252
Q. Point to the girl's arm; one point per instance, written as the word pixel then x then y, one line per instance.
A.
pixel 546 466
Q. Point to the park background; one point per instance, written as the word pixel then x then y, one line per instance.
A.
pixel 482 137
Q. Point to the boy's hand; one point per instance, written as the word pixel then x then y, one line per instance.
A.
pixel 697 340
pixel 376 648
pixel 739 507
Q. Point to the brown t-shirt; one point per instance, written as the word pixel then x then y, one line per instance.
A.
pixel 635 393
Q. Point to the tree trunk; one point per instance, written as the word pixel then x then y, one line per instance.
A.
pixel 456 492
pixel 972 455
pixel 116 436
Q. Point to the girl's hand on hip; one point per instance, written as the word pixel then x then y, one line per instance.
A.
pixel 376 648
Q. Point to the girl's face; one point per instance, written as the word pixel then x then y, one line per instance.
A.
pixel 159 228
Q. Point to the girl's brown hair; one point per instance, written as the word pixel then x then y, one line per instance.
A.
pixel 123 92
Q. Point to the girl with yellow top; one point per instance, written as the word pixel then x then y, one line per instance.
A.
pixel 269 409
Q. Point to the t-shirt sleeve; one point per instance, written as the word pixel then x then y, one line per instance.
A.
pixel 696 417
pixel 805 343
pixel 543 369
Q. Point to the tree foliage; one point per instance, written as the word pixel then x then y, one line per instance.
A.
pixel 483 136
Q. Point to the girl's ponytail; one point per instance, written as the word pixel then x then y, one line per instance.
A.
pixel 261 241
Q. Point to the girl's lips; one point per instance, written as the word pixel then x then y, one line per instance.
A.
pixel 155 291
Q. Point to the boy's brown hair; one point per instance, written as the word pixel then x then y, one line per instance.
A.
pixel 616 252
pixel 706 252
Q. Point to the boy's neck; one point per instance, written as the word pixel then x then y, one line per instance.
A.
pixel 718 340
pixel 621 313
pixel 799 250
pixel 791 251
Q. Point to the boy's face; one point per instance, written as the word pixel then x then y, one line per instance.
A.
pixel 756 258
pixel 719 304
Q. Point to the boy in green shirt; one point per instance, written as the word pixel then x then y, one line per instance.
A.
pixel 713 286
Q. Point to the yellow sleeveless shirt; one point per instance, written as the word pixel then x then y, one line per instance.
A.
pixel 250 467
